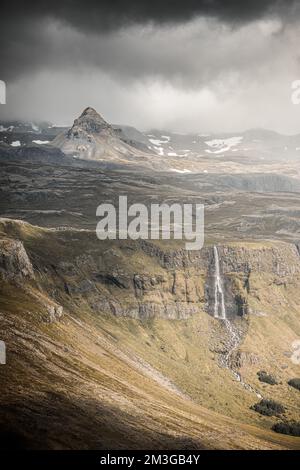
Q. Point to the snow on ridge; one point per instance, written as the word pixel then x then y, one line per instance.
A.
pixel 5 129
pixel 223 145
pixel 158 141
pixel 159 150
pixel 41 142
pixel 16 143
pixel 181 171
pixel 35 127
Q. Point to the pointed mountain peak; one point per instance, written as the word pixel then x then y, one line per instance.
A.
pixel 89 122
pixel 89 111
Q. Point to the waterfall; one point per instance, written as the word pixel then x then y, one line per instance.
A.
pixel 234 337
pixel 219 306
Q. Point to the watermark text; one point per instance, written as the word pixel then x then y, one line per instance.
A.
pixel 159 221
pixel 2 92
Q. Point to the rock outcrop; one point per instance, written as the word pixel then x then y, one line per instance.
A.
pixel 14 261
pixel 54 313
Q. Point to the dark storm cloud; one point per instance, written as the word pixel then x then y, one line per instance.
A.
pixel 24 44
pixel 110 14
pixel 188 65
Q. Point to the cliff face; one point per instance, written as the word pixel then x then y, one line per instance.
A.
pixel 279 259
pixel 184 282
pixel 16 268
pixel 168 293
pixel 273 257
pixel 241 266
pixel 140 280
pixel 14 261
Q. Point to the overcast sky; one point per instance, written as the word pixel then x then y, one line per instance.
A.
pixel 192 65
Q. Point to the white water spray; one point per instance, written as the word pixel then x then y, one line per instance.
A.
pixel 220 313
pixel 219 307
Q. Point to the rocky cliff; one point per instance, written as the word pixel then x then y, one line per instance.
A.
pixel 140 279
pixel 14 261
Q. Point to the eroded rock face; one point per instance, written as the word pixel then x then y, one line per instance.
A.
pixel 15 266
pixel 180 284
pixel 183 282
pixel 14 261
pixel 88 123
pixel 174 295
pixel 241 359
pixel 281 259
pixel 240 264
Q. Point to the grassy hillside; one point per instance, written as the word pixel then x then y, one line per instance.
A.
pixel 91 379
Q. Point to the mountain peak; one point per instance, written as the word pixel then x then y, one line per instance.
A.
pixel 89 111
pixel 92 138
pixel 89 122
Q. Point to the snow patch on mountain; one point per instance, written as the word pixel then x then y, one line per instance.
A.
pixel 159 150
pixel 34 127
pixel 6 129
pixel 223 145
pixel 41 142
pixel 181 171
pixel 159 141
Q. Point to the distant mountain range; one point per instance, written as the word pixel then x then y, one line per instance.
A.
pixel 92 138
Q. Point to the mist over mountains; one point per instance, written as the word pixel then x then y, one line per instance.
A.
pixel 90 131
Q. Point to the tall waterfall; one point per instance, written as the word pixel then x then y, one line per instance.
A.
pixel 233 334
pixel 219 306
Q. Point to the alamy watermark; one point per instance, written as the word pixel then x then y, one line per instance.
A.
pixel 159 221
pixel 2 92
pixel 295 96
pixel 2 353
